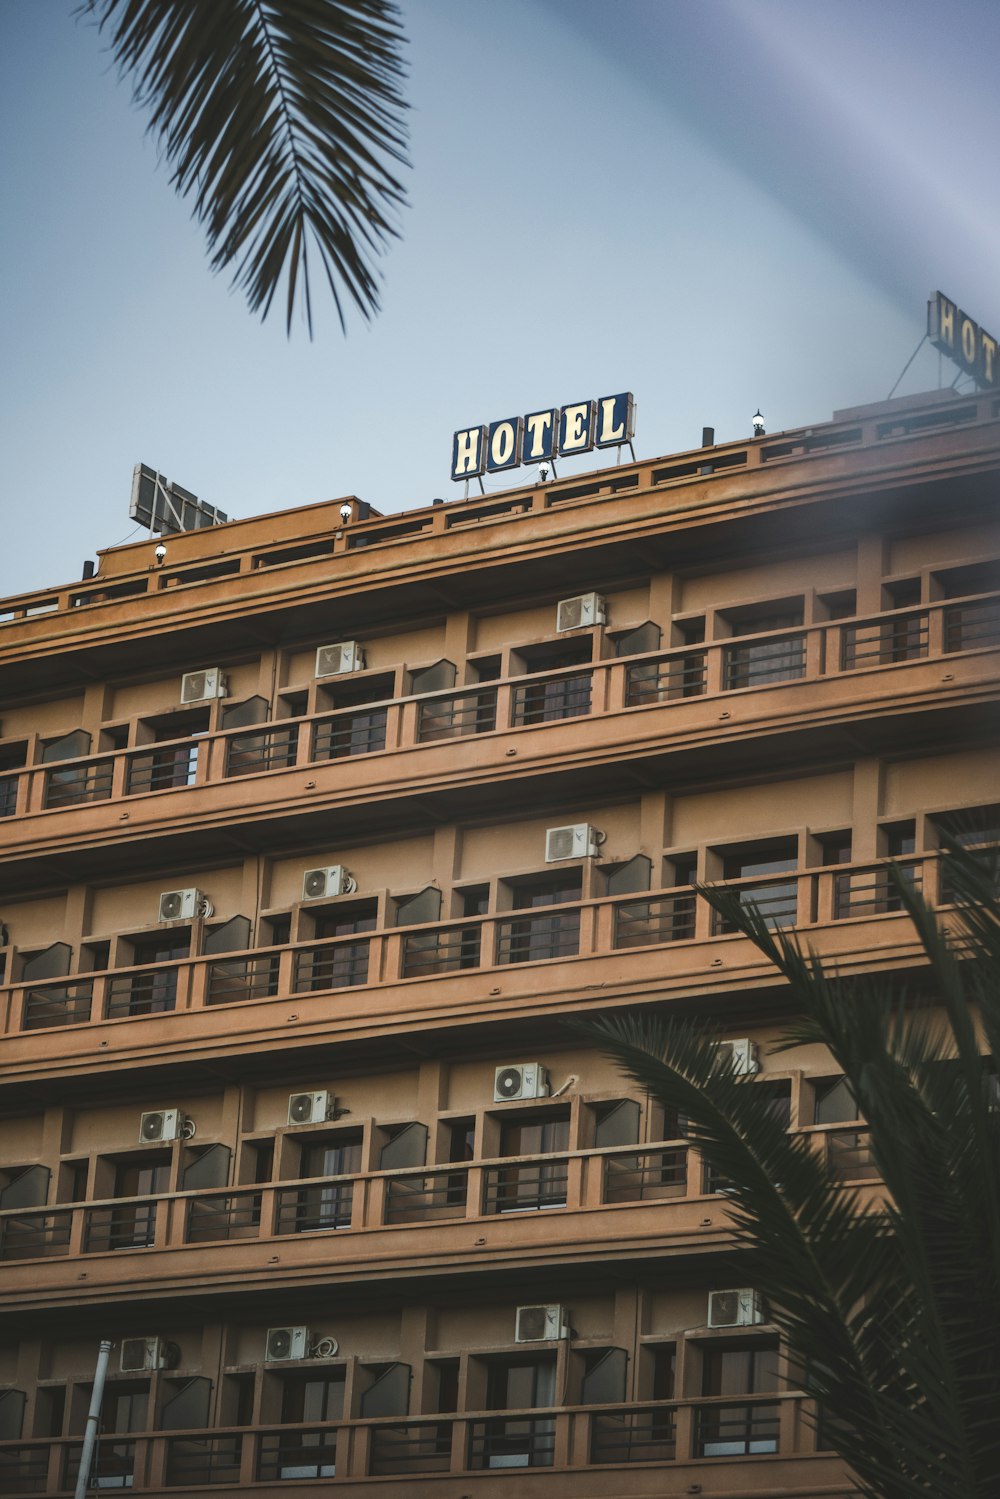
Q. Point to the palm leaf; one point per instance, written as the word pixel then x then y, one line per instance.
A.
pixel 892 1314
pixel 281 118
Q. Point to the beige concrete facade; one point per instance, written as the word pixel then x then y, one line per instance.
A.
pixel 238 869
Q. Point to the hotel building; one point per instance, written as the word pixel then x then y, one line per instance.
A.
pixel 313 838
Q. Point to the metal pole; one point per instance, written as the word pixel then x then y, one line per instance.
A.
pixel 93 1416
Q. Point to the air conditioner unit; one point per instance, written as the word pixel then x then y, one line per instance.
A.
pixel 332 879
pixel 285 1343
pixel 311 1108
pixel 578 841
pixel 744 1308
pixel 741 1055
pixel 540 1324
pixel 579 612
pixel 183 905
pixel 163 1125
pixel 139 1354
pixel 520 1080
pixel 202 686
pixel 346 655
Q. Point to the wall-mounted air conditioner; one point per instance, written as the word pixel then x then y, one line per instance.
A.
pixel 520 1080
pixel 183 905
pixel 160 1126
pixel 540 1324
pixel 286 1343
pixel 203 686
pixel 578 613
pixel 139 1354
pixel 330 879
pixel 743 1308
pixel 311 1108
pixel 741 1055
pixel 577 841
pixel 346 655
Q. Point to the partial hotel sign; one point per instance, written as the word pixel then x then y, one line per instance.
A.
pixel 973 349
pixel 541 436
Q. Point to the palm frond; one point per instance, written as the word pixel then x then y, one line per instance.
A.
pixel 282 119
pixel 892 1309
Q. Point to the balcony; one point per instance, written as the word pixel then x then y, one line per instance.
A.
pixel 262 767
pixel 841 909
pixel 601 1195
pixel 426 1450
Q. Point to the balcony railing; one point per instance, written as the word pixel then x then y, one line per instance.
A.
pixel 545 699
pixel 127 1224
pixel 302 1452
pixel 356 732
pixel 849 1155
pixel 531 701
pixel 572 1181
pixel 737 1430
pixel 308 1208
pixel 512 1442
pixel 71 782
pixel 526 1186
pixel 647 1434
pixel 411 1447
pixel 457 715
pixel 35 1236
pixel 195 1460
pixel 902 636
pixel 646 1175
pixel 426 1198
pixel 144 991
pixel 232 980
pixel 162 769
pixel 264 749
pixel 46 1005
pixel 575 1437
pixel 550 933
pixel 340 964
pixel 811 898
pixel 441 950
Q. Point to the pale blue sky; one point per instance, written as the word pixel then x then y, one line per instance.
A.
pixel 716 204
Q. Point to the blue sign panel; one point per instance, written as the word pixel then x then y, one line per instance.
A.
pixel 539 443
pixel 576 428
pixel 543 435
pixel 504 449
pixel 468 453
pixel 615 420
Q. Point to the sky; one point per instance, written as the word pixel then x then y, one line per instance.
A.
pixel 718 205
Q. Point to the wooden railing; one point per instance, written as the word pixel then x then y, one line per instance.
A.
pixel 571 1181
pixel 812 898
pixel 721 667
pixel 514 507
pixel 572 1437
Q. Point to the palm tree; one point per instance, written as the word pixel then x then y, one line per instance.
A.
pixel 282 118
pixel 890 1308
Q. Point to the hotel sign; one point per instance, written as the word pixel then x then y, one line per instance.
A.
pixel 541 436
pixel 973 349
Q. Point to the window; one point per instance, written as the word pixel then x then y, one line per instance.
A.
pixel 761 661
pixel 528 939
pixel 738 1429
pixel 326 1205
pixel 519 1442
pixel 560 697
pixel 833 1101
pixel 777 900
pixel 531 1185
